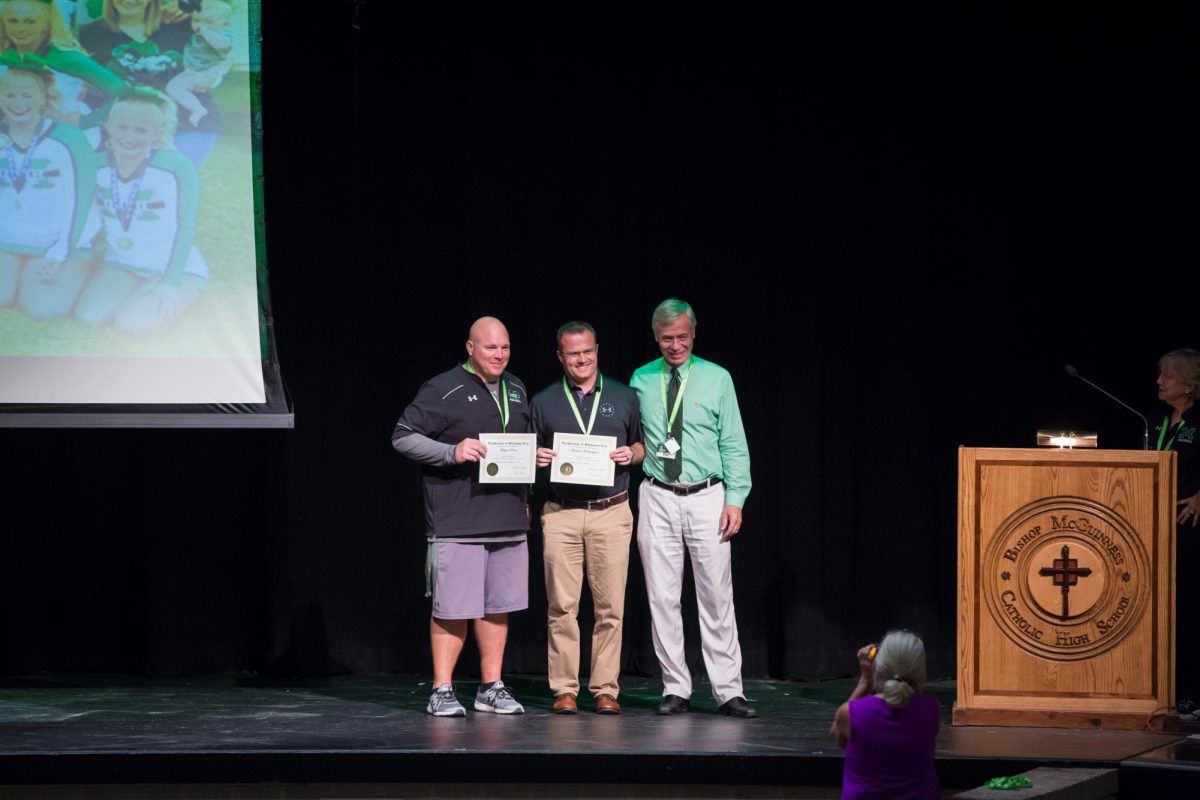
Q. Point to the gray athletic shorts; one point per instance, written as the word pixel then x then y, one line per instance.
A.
pixel 470 579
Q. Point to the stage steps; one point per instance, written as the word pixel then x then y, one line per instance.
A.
pixel 1056 783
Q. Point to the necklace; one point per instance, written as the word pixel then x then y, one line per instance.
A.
pixel 124 208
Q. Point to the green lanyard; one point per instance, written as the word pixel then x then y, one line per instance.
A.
pixel 1163 432
pixel 575 410
pixel 503 393
pixel 662 379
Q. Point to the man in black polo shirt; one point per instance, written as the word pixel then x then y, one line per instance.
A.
pixel 477 564
pixel 586 526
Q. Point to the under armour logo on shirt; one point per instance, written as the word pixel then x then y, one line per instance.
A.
pixel 471 398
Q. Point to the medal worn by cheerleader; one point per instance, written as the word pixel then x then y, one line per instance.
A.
pixel 17 167
pixel 124 208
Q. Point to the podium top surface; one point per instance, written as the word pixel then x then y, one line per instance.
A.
pixel 1063 455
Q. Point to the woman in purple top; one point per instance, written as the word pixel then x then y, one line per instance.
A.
pixel 888 726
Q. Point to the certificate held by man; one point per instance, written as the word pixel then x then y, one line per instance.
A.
pixel 510 458
pixel 583 459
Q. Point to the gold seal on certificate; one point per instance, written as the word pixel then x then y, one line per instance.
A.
pixel 584 459
pixel 511 458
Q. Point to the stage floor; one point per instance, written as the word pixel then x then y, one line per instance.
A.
pixel 58 729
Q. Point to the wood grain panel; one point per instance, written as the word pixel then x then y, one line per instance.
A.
pixel 1019 649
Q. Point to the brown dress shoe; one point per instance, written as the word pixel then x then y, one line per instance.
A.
pixel 607 704
pixel 564 704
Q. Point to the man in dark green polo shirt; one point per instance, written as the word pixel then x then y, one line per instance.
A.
pixel 584 526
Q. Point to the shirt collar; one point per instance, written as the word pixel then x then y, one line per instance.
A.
pixel 575 387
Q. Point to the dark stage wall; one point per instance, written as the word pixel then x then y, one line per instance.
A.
pixel 894 235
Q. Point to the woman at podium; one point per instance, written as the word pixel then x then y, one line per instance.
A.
pixel 1175 429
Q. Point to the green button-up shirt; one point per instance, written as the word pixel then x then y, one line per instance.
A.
pixel 714 442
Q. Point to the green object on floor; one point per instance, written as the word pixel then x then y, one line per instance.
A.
pixel 1016 782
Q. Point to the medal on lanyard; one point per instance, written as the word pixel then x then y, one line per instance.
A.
pixel 503 393
pixel 124 208
pixel 575 410
pixel 16 168
pixel 670 448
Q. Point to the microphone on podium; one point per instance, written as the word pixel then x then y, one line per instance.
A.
pixel 1074 373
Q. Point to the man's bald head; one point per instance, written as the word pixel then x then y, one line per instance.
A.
pixel 480 326
pixel 488 348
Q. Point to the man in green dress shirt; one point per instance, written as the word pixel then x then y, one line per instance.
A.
pixel 697 477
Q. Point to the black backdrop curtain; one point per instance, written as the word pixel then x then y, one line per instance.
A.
pixel 894 237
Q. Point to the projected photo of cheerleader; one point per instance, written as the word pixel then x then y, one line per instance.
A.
pixel 48 176
pixel 37 27
pixel 128 269
pixel 177 48
pixel 141 226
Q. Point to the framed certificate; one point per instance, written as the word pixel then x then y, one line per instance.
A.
pixel 511 458
pixel 583 459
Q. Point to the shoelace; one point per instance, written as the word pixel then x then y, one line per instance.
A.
pixel 498 693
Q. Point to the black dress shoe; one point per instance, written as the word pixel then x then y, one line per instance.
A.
pixel 673 704
pixel 738 707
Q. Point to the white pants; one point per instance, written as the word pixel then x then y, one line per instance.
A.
pixel 667 525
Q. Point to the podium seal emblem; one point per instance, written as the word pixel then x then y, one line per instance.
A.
pixel 1065 578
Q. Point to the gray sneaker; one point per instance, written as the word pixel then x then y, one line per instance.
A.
pixel 443 703
pixel 497 700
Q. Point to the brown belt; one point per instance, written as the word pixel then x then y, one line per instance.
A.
pixel 684 490
pixel 592 505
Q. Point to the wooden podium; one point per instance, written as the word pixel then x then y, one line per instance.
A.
pixel 1066 587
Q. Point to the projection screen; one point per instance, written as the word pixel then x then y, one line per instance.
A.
pixel 130 274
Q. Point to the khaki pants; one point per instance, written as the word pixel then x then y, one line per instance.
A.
pixel 575 539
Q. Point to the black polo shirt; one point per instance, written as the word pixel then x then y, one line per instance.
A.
pixel 1185 444
pixel 450 407
pixel 618 415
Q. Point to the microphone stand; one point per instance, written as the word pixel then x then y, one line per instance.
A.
pixel 1074 373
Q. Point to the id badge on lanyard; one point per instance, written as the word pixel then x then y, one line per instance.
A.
pixel 670 448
